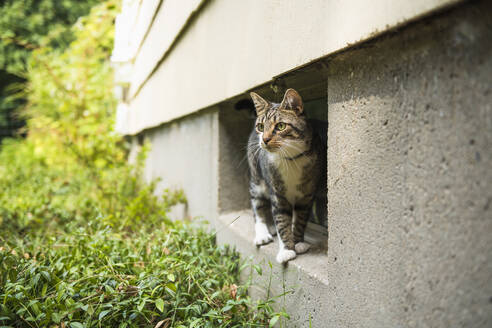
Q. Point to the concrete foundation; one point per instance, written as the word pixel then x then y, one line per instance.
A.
pixel 410 179
pixel 184 155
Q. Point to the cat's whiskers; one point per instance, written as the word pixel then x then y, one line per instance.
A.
pixel 294 145
pixel 250 149
pixel 286 162
pixel 245 157
pixel 286 156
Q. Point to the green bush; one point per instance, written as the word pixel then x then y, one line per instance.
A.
pixel 83 241
pixel 100 277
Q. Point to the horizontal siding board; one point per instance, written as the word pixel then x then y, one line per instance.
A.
pixel 234 46
pixel 132 25
pixel 169 21
pixel 145 18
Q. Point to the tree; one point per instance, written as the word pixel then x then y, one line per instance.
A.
pixel 26 25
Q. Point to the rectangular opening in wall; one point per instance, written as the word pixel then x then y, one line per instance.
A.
pixel 236 120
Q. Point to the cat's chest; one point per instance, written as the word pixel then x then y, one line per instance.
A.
pixel 291 172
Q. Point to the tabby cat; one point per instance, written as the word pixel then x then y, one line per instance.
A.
pixel 285 166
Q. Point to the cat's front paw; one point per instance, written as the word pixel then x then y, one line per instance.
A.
pixel 285 255
pixel 302 247
pixel 263 239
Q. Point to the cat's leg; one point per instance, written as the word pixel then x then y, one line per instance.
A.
pixel 301 218
pixel 261 206
pixel 282 214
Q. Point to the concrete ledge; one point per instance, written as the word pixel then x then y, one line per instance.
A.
pixel 304 278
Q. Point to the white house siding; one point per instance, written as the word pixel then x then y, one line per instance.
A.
pixel 233 46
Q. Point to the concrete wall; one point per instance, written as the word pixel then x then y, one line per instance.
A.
pixel 410 178
pixel 196 173
pixel 235 127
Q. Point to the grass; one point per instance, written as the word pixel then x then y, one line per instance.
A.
pixel 101 277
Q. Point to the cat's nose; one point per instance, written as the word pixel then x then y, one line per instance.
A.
pixel 266 139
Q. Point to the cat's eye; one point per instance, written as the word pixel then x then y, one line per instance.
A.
pixel 280 126
pixel 260 127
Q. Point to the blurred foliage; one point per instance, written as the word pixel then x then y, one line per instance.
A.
pixel 26 25
pixel 84 242
pixel 70 149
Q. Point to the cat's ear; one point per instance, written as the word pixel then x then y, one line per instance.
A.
pixel 292 101
pixel 260 104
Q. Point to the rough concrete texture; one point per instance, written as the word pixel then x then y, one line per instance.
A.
pixel 410 178
pixel 234 129
pixel 184 155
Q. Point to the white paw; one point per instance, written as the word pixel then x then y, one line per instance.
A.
pixel 262 239
pixel 285 255
pixel 262 234
pixel 302 247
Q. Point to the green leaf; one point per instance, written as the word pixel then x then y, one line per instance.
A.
pixel 46 275
pixel 43 291
pixel 56 317
pixel 171 277
pixel 227 307
pixel 90 310
pixel 159 303
pixel 109 289
pixel 35 280
pixel 273 321
pixel 141 305
pixel 103 314
pixel 171 288
pixel 76 324
pixel 215 295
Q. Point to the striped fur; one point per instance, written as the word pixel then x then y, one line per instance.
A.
pixel 285 165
